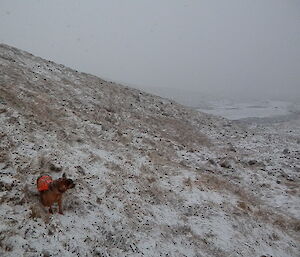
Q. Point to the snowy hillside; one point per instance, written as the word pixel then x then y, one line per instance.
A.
pixel 153 178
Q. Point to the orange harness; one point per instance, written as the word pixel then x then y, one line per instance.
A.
pixel 43 183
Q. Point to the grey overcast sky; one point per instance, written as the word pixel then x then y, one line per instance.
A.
pixel 237 48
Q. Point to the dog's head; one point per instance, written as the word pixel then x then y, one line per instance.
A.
pixel 64 183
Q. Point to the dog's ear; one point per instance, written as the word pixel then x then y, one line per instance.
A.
pixel 64 175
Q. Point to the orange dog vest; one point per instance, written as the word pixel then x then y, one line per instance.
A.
pixel 43 183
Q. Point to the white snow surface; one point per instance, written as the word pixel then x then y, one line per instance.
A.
pixel 153 178
pixel 235 110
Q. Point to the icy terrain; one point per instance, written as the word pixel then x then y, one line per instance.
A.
pixel 245 110
pixel 153 178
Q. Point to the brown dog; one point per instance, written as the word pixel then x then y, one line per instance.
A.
pixel 52 191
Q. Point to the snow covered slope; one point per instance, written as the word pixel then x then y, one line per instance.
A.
pixel 153 178
pixel 251 109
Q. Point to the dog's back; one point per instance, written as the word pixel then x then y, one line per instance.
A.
pixel 43 182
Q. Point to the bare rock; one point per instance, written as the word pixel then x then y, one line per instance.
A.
pixel 5 186
pixel 231 147
pixel 3 110
pixel 286 151
pixel 55 167
pixel 252 162
pixel 226 164
pixel 80 170
pixel 211 161
pixel 3 157
pixel 46 253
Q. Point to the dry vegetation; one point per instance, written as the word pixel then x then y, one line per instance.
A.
pixel 153 178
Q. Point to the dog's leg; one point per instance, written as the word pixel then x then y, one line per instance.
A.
pixel 60 206
pixel 50 210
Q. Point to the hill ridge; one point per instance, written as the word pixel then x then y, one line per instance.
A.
pixel 154 178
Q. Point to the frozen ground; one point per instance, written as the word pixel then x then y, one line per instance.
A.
pixel 269 109
pixel 153 178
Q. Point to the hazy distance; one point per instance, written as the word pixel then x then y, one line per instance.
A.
pixel 185 49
